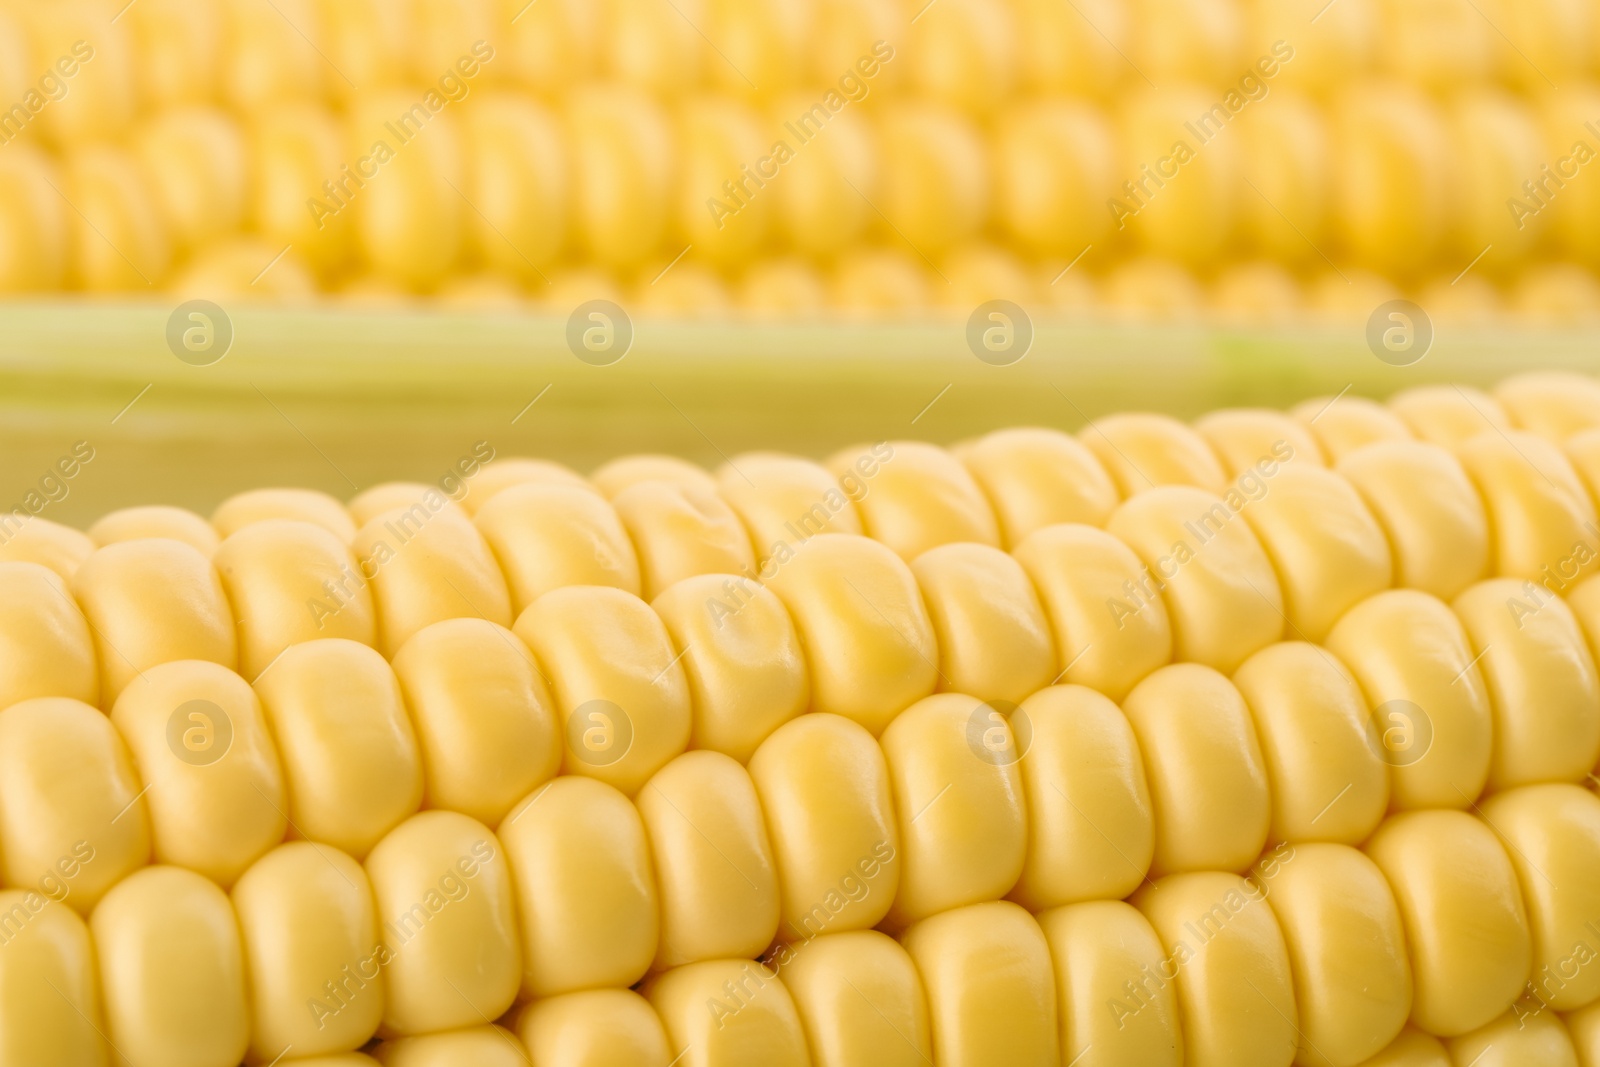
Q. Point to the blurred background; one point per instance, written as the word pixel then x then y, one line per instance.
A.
pixel 1233 161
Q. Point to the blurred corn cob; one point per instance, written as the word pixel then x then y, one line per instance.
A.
pixel 980 156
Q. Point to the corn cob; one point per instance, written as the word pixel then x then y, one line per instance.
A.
pixel 573 150
pixel 1010 753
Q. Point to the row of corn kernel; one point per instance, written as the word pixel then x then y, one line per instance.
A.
pixel 971 54
pixel 582 864
pixel 510 186
pixel 975 55
pixel 583 871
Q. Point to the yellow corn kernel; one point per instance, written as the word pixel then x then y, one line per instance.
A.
pixel 482 1046
pixel 1584 1027
pixel 781 289
pixel 1553 404
pixel 968 846
pixel 1465 924
pixel 1075 745
pixel 1429 704
pixel 447 906
pixel 784 499
pixel 825 790
pixel 934 185
pixel 817 211
pixel 1210 570
pixel 1286 152
pixel 1347 951
pixel 45 646
pixel 991 988
pixel 302 505
pixel 410 221
pixel 594 1028
pixel 66 776
pixel 918 498
pixel 1391 176
pixel 1448 415
pixel 657 50
pixel 1495 143
pixel 176 524
pixel 61 548
pixel 1539 1041
pixel 1189 220
pixel 1412 1048
pixel 1100 948
pixel 1539 512
pixel 34 217
pixel 727 1012
pixel 621 697
pixel 547 536
pixel 519 184
pixel 118 242
pixel 151 602
pixel 294 148
pixel 482 715
pixel 1078 571
pixel 168 953
pixel 624 160
pixel 194 159
pixel 347 1059
pixel 1143 451
pixel 231 270
pixel 1327 779
pixel 1541 681
pixel 860 1000
pixel 988 624
pixel 100 103
pixel 742 658
pixel 1556 295
pixel 620 474
pixel 1243 437
pixel 863 624
pixel 311 950
pixel 215 792
pixel 1552 837
pixel 49 997
pixel 1224 946
pixel 1326 547
pixel 722 140
pixel 1434 518
pixel 1254 294
pixel 269 58
pixel 1052 160
pixel 1207 777
pixel 427 566
pixel 489 480
pixel 177 50
pixel 679 532
pixel 587 901
pixel 713 863
pixel 1036 478
pixel 347 747
pixel 290 582
pixel 1344 424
